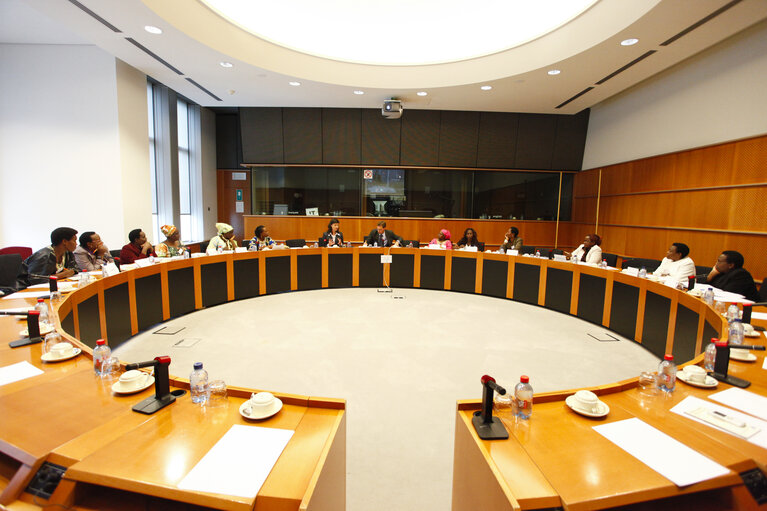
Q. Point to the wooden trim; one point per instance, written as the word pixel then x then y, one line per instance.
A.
pixel 672 322
pixel 325 269
pixel 355 267
pixel 261 274
pixel 165 292
pixel 197 276
pixel 480 269
pixel 417 269
pixel 293 270
pixel 610 280
pixel 102 309
pixel 229 279
pixel 542 276
pixel 640 312
pixel 677 228
pixel 132 303
pixel 510 276
pixel 672 190
pixel 405 167
pixel 575 292
pixel 448 269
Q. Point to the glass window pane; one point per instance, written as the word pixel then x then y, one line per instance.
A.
pixel 186 228
pixel 516 195
pixel 183 182
pixel 183 124
pixel 293 190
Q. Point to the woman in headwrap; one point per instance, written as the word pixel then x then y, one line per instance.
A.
pixel 443 240
pixel 589 251
pixel 171 247
pixel 224 240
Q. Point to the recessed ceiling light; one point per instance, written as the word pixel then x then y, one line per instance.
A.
pixel 226 64
pixel 422 93
pixel 294 84
pixel 629 42
pixel 152 29
pixel 358 92
pixel 553 72
pixel 486 87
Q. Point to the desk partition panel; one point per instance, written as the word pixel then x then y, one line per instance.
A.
pixel 148 300
pixel 181 291
pixel 685 333
pixel 591 298
pixel 371 270
pixel 433 271
pixel 309 272
pixel 527 278
pixel 340 270
pixel 655 326
pixel 116 304
pixel 402 271
pixel 246 282
pixel 494 278
pixel 89 321
pixel 463 274
pixel 623 309
pixel 278 274
pixel 213 283
pixel 559 289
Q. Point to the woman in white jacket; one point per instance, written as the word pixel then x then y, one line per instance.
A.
pixel 589 251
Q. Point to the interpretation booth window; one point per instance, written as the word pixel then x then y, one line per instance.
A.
pixel 398 192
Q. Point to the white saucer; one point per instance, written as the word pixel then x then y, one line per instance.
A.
pixel 276 407
pixel 710 382
pixel 48 357
pixel 603 408
pixel 742 355
pixel 755 334
pixel 117 388
pixel 44 330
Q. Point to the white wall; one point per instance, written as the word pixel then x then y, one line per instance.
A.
pixel 208 156
pixel 71 151
pixel 717 96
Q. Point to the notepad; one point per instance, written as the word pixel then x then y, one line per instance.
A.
pixel 239 463
pixel 743 400
pixel 692 403
pixel 18 371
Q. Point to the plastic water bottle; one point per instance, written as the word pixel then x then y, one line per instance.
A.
pixel 198 384
pixel 732 312
pixel 708 296
pixel 348 244
pixel 523 398
pixel 735 332
pixel 43 308
pixel 709 358
pixel 219 249
pixel 667 374
pixel 104 271
pixel 410 245
pixel 151 259
pixel 186 254
pixel 574 259
pixel 83 279
pixel 643 273
pixel 603 264
pixel 501 250
pixel 375 244
pixel 537 253
pixel 100 353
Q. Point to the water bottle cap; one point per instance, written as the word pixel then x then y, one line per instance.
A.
pixel 197 365
pixel 668 356
pixel 737 319
pixel 40 300
pixel 524 379
pixel 714 339
pixel 54 278
pixel 101 342
pixel 721 344
pixel 33 313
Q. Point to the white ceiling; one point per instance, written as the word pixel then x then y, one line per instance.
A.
pixel 195 40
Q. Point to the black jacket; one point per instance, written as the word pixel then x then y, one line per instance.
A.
pixel 737 280
pixel 374 237
pixel 325 239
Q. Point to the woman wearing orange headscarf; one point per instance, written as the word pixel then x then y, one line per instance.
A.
pixel 171 247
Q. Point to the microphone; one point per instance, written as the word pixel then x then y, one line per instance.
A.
pixel 746 347
pixel 489 382
pixel 162 395
pixel 487 426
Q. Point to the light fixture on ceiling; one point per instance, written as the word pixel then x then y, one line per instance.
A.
pixel 359 92
pixel 554 72
pixel 153 30
pixel 294 84
pixel 629 42
pixel 486 87
pixel 226 64
pixel 422 93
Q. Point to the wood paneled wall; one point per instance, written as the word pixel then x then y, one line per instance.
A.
pixel 227 198
pixel 712 198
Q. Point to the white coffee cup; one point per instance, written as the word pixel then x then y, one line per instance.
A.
pixel 133 379
pixel 261 403
pixel 587 401
pixel 748 329
pixel 62 349
pixel 695 374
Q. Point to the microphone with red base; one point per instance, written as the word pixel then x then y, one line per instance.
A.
pixel 162 395
pixel 487 426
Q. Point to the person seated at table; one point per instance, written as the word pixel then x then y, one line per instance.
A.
pixel 224 240
pixel 512 241
pixel 92 254
pixel 676 264
pixel 382 237
pixel 589 251
pixel 172 246
pixel 56 259
pixel 729 275
pixel 262 241
pixel 469 239
pixel 137 248
pixel 443 240
pixel 332 237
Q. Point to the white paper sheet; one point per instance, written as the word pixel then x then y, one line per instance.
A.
pixel 18 371
pixel 670 458
pixel 691 403
pixel 31 307
pixel 239 462
pixel 764 363
pixel 743 400
pixel 24 294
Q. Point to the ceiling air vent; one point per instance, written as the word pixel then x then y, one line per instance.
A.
pixel 618 71
pixel 152 54
pixel 699 23
pixel 95 16
pixel 581 93
pixel 206 91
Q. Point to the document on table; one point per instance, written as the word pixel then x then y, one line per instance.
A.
pixel 18 371
pixel 691 403
pixel 743 400
pixel 759 315
pixel 23 295
pixel 670 458
pixel 239 462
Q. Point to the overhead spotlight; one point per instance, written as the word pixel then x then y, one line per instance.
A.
pixel 486 87
pixel 422 93
pixel 359 92
pixel 226 64
pixel 152 29
pixel 629 42
pixel 553 72
pixel 231 92
pixel 294 84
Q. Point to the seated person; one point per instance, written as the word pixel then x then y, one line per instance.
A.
pixel 332 237
pixel 512 241
pixel 92 254
pixel 172 246
pixel 382 237
pixel 224 240
pixel 676 264
pixel 262 241
pixel 469 239
pixel 589 251
pixel 443 240
pixel 729 275
pixel 56 259
pixel 138 248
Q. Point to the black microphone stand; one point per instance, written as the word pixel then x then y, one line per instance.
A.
pixel 487 426
pixel 162 395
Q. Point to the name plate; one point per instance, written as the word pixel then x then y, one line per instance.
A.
pixel 634 272
pixel 111 269
pixel 470 249
pixel 560 257
pixel 512 252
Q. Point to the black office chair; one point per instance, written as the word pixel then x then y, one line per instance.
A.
pixel 527 249
pixel 556 251
pixel 322 242
pixel 702 270
pixel 545 252
pixel 10 267
pixel 763 290
pixel 650 264
pixel 612 259
pixel 415 243
pixel 480 246
pixel 296 243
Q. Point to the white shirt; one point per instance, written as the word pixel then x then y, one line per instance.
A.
pixel 677 270
pixel 594 256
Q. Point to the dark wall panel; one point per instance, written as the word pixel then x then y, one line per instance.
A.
pixel 495 278
pixel 371 270
pixel 302 135
pixel 559 288
pixel 432 272
pixel 380 138
pixel 591 298
pixel 623 309
pixel 497 143
pixel 570 141
pixel 420 138
pixel 527 279
pixel 709 332
pixel 181 291
pixel 655 326
pixel 685 334
pixel 261 130
pixel 213 284
pixel 68 324
pixel 309 271
pixel 402 270
pixel 246 278
pixel 277 274
pixel 90 323
pixel 227 142
pixel 149 301
pixel 341 135
pixel 458 136
pixel 340 270
pixel 463 274
pixel 535 141
pixel 117 309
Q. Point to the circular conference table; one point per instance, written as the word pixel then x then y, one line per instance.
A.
pixel 554 460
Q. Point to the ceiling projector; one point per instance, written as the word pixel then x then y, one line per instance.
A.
pixel 392 109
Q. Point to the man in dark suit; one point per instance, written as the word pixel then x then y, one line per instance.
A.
pixel 729 275
pixel 383 237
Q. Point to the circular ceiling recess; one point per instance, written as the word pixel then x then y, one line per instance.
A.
pixel 399 32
